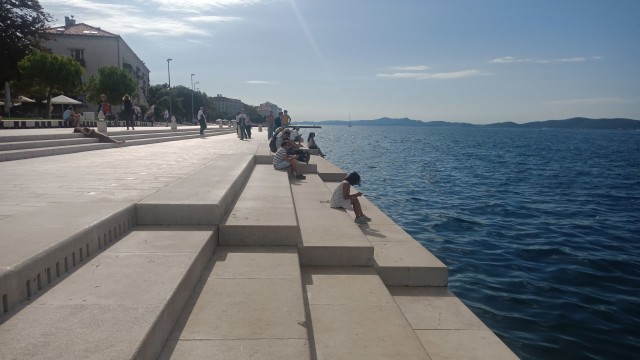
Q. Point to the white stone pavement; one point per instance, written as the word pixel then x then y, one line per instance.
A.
pixel 126 174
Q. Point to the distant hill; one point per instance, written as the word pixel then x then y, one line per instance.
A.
pixel 573 123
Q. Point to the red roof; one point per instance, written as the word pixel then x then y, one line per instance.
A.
pixel 79 29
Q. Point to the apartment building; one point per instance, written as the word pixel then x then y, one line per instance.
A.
pixel 95 48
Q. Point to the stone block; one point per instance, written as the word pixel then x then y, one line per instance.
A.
pixel 200 198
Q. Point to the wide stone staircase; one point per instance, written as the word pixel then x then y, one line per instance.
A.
pixel 233 261
pixel 24 147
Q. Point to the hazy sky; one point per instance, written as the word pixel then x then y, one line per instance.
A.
pixel 477 61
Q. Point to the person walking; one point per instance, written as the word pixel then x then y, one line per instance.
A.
pixel 202 119
pixel 128 111
pixel 271 121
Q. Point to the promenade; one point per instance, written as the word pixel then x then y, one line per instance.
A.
pixel 199 249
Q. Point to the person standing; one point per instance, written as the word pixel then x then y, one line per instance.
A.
pixel 165 114
pixel 277 123
pixel 270 124
pixel 103 106
pixel 286 119
pixel 202 119
pixel 241 121
pixel 247 127
pixel 137 112
pixel 128 112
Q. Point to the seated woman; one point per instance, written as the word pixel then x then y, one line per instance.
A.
pixel 311 143
pixel 94 134
pixel 342 198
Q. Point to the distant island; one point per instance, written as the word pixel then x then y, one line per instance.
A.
pixel 573 123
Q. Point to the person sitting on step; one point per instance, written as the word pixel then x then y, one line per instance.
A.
pixel 282 160
pixel 342 197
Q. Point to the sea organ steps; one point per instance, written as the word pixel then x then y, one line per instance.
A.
pixel 309 337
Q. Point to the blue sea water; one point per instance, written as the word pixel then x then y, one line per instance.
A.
pixel 540 229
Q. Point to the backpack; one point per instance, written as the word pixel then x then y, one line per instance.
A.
pixel 272 144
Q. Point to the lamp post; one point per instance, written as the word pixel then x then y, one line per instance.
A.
pixel 169 73
pixel 192 117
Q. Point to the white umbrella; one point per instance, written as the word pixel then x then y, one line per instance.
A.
pixel 22 99
pixel 64 100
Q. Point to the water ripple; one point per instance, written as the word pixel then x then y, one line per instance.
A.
pixel 539 229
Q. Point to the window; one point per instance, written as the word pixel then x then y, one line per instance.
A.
pixel 77 54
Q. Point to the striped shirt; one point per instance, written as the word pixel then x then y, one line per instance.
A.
pixel 280 155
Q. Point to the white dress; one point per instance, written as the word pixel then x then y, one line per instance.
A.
pixel 337 200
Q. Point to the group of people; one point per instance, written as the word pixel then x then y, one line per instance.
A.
pixel 244 125
pixel 288 155
pixel 131 112
pixel 71 117
pixel 282 120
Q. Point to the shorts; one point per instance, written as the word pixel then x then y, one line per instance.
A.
pixel 282 165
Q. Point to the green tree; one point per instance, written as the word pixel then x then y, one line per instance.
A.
pixel 113 82
pixel 21 24
pixel 45 74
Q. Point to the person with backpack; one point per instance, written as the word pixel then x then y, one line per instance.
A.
pixel 274 138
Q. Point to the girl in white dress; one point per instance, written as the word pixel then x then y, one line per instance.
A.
pixel 342 198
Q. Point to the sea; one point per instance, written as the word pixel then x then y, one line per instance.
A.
pixel 540 228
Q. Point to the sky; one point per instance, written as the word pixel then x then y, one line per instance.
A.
pixel 474 61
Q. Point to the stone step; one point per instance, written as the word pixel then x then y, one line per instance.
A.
pixel 326 170
pixel 11 155
pixel 121 305
pixel 19 145
pixel 446 327
pixel 27 149
pixel 40 248
pixel 201 198
pixel 398 258
pixel 328 236
pixel 249 305
pixel 353 316
pixel 264 213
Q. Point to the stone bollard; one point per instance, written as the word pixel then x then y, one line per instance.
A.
pixel 102 125
pixel 260 128
pixel 174 124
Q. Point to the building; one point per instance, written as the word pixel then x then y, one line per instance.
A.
pixel 95 48
pixel 264 108
pixel 228 105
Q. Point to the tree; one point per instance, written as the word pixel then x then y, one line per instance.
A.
pixel 45 74
pixel 21 24
pixel 112 82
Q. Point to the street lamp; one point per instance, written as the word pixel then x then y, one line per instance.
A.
pixel 192 117
pixel 169 73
